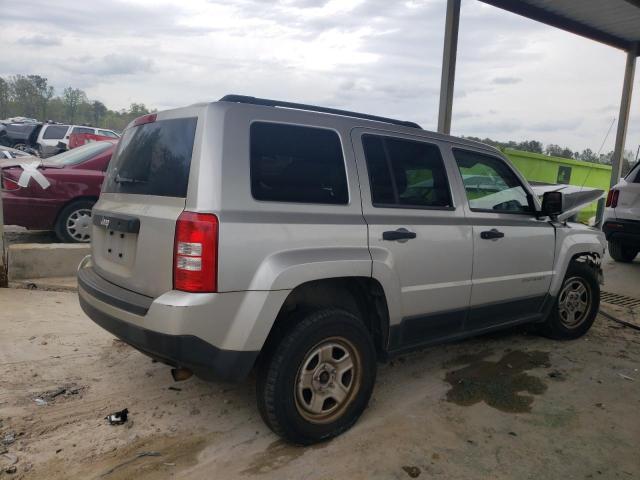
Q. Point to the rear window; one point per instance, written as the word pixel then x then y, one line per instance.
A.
pixel 290 163
pixel 153 159
pixel 55 132
pixel 81 154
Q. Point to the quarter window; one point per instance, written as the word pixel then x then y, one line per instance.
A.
pixel 291 163
pixel 490 184
pixel 405 173
pixel 55 132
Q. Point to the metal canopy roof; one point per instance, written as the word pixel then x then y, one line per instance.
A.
pixel 613 22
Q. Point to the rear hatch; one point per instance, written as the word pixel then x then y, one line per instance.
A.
pixel 143 194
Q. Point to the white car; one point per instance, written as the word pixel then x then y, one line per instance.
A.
pixel 621 223
pixel 52 134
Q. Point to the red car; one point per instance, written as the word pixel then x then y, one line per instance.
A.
pixel 56 193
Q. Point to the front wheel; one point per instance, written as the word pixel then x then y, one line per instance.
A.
pixel 318 380
pixel 577 304
pixel 74 222
pixel 621 253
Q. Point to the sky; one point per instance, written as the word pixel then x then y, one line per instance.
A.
pixel 515 80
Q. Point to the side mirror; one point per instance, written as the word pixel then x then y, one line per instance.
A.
pixel 552 204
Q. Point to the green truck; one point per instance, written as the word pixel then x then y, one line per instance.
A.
pixel 539 168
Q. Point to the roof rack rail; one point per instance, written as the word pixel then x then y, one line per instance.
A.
pixel 312 108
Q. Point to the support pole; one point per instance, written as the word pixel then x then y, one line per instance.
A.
pixel 3 265
pixel 449 53
pixel 623 118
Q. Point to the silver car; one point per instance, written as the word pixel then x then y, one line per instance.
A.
pixel 309 243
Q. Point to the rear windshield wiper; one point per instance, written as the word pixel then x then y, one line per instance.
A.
pixel 120 179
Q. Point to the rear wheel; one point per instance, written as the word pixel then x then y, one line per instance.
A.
pixel 318 379
pixel 621 253
pixel 577 304
pixel 74 222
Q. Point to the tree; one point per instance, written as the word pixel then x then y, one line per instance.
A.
pixel 4 98
pixel 43 92
pixel 73 97
pixel 530 146
pixel 99 110
pixel 558 151
pixel 25 94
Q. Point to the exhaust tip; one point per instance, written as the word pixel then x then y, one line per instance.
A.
pixel 180 374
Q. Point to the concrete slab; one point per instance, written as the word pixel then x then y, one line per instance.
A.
pixel 44 260
pixel 621 278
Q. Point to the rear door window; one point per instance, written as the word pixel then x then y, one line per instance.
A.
pixel 405 173
pixel 153 159
pixel 291 163
pixel 55 132
pixel 83 130
pixel 107 133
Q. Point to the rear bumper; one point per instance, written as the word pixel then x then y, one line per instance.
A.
pixel 128 316
pixel 626 231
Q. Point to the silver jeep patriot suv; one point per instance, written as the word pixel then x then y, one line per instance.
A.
pixel 309 243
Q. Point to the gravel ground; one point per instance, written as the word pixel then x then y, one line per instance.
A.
pixel 506 406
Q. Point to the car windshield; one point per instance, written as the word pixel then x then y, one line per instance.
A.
pixel 80 154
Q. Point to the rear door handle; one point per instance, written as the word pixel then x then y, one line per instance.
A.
pixel 491 234
pixel 399 234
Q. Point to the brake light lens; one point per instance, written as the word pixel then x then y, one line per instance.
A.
pixel 150 118
pixel 612 198
pixel 195 258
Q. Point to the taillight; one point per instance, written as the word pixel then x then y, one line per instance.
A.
pixel 612 198
pixel 195 256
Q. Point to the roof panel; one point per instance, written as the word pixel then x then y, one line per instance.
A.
pixel 614 22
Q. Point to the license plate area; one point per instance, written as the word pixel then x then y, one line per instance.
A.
pixel 119 247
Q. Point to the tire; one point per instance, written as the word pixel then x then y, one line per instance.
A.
pixel 74 222
pixel 620 253
pixel 577 304
pixel 301 407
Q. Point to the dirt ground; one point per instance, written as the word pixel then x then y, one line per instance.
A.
pixel 505 406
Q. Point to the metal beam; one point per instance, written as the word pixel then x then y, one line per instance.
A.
pixel 563 23
pixel 623 117
pixel 449 53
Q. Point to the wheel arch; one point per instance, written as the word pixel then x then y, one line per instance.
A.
pixel 361 296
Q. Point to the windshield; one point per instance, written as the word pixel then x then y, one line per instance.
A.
pixel 80 154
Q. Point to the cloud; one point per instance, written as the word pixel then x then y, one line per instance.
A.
pixel 376 56
pixel 40 41
pixel 506 80
pixel 108 65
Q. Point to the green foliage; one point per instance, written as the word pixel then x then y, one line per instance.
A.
pixel 32 96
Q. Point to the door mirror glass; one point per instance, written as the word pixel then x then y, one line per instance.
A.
pixel 552 203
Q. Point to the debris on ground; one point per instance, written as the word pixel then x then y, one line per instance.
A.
pixel 9 438
pixel 11 470
pixel 175 389
pixel 626 377
pixel 556 375
pixel 412 471
pixel 118 418
pixel 50 396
